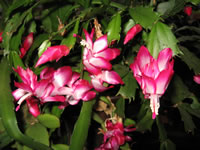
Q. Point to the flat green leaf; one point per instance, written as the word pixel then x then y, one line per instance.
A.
pixel 162 37
pixel 39 133
pixel 167 145
pixel 60 147
pixel 128 25
pixel 128 122
pixel 195 2
pixel 70 40
pixel 45 44
pixel 114 28
pixel 49 121
pixel 46 21
pixel 186 118
pixel 190 59
pixel 120 107
pixel 128 90
pixel 81 127
pixel 16 60
pixel 145 16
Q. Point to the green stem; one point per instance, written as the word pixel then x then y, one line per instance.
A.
pixel 7 110
pixel 81 127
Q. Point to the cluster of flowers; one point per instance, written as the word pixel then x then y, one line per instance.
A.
pixel 114 135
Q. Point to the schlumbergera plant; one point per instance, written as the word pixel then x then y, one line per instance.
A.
pixel 99 74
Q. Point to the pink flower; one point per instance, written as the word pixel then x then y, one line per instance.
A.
pixel 33 91
pixel 97 55
pixel 53 53
pixel 188 10
pixel 110 77
pixel 68 84
pixel 1 38
pixel 114 136
pixel 26 44
pixel 197 79
pixel 153 75
pixel 132 32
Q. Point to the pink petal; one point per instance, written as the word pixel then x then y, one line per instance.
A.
pixel 43 88
pixel 65 91
pixel 18 93
pixel 23 86
pixel 188 10
pixel 56 98
pixel 163 58
pixel 111 77
pixel 75 77
pixel 1 38
pixel 82 86
pixel 33 107
pixel 26 44
pixel 22 52
pixel 47 73
pixel 108 54
pixel 53 53
pixel 197 79
pixel 62 76
pixel 89 37
pixel 100 63
pixel 100 44
pixel 143 57
pixel 90 68
pixel 132 32
pixel 148 85
pixel 89 95
pixel 98 86
pixel 163 80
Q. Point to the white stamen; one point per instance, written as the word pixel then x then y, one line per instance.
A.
pixel 154 103
pixel 84 43
pixel 23 98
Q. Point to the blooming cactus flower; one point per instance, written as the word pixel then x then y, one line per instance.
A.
pixel 197 79
pixel 26 44
pixel 68 84
pixel 188 10
pixel 33 91
pixel 97 55
pixel 53 53
pixel 114 136
pixel 132 32
pixel 110 77
pixel 153 75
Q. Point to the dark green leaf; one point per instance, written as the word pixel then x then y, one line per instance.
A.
pixel 81 127
pixel 16 60
pixel 195 2
pixel 162 37
pixel 128 90
pixel 71 40
pixel 145 16
pixel 60 147
pixel 128 25
pixel 187 119
pixel 49 121
pixel 120 107
pixel 190 59
pixel 46 21
pixel 128 122
pixel 167 145
pixel 114 28
pixel 39 133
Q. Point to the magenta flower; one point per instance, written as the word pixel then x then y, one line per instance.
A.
pixel 33 91
pixel 110 77
pixel 53 53
pixel 26 44
pixel 153 75
pixel 197 79
pixel 188 10
pixel 97 55
pixel 132 32
pixel 114 136
pixel 68 84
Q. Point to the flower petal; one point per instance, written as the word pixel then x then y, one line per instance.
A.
pixel 111 77
pixel 197 79
pixel 18 93
pixel 33 107
pixel 53 53
pixel 108 54
pixel 100 44
pixel 98 86
pixel 163 58
pixel 100 63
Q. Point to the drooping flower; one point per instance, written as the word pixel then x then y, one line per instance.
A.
pixel 26 44
pixel 105 76
pixel 97 55
pixel 33 91
pixel 132 32
pixel 53 53
pixel 197 79
pixel 1 38
pixel 153 75
pixel 114 136
pixel 188 10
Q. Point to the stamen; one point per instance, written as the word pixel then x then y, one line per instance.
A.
pixel 154 104
pixel 23 98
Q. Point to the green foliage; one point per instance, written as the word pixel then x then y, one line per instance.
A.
pixel 49 121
